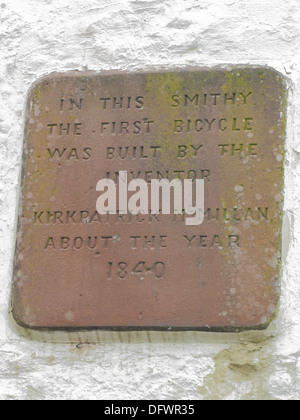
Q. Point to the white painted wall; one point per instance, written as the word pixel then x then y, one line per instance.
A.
pixel 41 36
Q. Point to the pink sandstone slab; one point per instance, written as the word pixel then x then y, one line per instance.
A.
pixel 77 269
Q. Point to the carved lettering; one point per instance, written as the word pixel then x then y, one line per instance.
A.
pixel 67 129
pixel 205 124
pixel 212 241
pixel 132 152
pixel 125 128
pixel 210 99
pixel 122 102
pixel 70 153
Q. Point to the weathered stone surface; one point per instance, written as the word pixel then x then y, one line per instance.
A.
pixel 76 269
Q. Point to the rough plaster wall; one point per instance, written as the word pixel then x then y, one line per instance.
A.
pixel 40 36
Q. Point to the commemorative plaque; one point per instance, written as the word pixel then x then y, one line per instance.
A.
pixel 88 256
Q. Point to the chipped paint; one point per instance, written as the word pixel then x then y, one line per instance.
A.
pixel 40 37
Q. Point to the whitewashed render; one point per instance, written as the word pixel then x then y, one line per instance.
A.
pixel 41 36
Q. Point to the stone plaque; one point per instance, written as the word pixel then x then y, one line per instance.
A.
pixel 77 268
